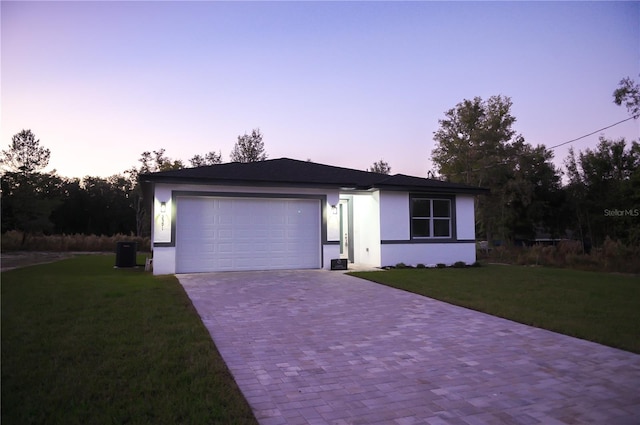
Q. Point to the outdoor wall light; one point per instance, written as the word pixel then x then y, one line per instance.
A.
pixel 334 210
pixel 163 211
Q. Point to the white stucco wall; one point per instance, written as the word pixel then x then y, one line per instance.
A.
pixel 329 252
pixel 333 225
pixel 465 220
pixel 164 260
pixel 394 216
pixel 161 223
pixel 428 254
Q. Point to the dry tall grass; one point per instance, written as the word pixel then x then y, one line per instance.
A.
pixel 612 256
pixel 13 241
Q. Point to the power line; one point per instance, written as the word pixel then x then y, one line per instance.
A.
pixel 590 134
pixel 552 147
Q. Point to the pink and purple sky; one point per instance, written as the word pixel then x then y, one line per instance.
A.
pixel 340 83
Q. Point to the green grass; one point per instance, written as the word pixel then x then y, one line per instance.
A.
pixel 83 343
pixel 599 307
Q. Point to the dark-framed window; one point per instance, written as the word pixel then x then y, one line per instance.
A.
pixel 431 217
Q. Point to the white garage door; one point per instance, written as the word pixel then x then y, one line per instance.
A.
pixel 223 234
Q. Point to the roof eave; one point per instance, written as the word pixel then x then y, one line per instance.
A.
pixel 343 186
pixel 433 189
pixel 247 182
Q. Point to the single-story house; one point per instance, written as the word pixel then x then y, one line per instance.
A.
pixel 290 214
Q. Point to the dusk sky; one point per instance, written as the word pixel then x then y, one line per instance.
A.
pixel 340 83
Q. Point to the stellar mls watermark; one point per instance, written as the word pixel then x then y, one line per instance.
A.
pixel 633 212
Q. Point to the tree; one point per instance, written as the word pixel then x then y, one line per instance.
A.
pixel 211 158
pixel 628 92
pixel 475 145
pixel 25 155
pixel 72 215
pixel 28 201
pixel 534 193
pixel 158 161
pixel 471 148
pixel 108 206
pixel 471 140
pixel 604 190
pixel 381 167
pixel 28 196
pixel 249 148
pixel 149 163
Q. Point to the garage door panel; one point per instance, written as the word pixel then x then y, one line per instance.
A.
pixel 215 234
pixel 261 247
pixel 224 220
pixel 225 263
pixel 225 248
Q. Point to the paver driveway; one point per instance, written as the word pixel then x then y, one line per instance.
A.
pixel 318 347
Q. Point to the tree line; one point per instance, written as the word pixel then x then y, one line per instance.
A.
pixel 37 202
pixel 475 144
pixel 34 202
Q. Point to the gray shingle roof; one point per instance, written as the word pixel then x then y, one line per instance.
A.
pixel 291 172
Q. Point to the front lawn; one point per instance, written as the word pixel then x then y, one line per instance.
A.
pixel 599 307
pixel 84 343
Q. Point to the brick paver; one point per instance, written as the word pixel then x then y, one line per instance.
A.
pixel 320 347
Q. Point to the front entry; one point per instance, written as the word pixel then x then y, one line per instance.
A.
pixel 346 230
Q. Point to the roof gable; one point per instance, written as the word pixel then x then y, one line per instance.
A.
pixel 291 172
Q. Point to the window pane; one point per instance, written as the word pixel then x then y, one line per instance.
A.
pixel 441 208
pixel 421 208
pixel 420 228
pixel 441 228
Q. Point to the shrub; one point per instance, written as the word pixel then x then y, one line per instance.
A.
pixel 441 265
pixel 539 255
pixel 612 256
pixel 459 264
pixel 500 254
pixel 581 261
pixel 616 257
pixel 568 247
pixel 420 266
